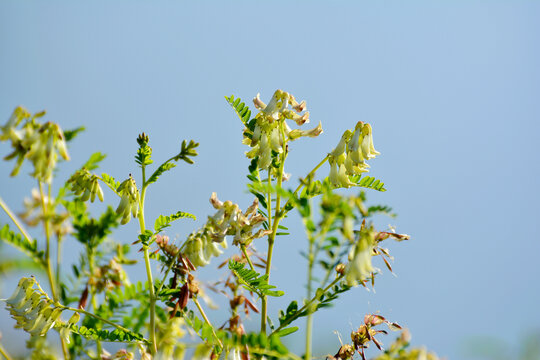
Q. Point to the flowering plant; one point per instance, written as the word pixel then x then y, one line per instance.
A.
pixel 166 316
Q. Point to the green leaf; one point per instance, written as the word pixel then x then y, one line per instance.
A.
pixel 110 182
pixel 241 109
pixel 116 335
pixel 94 160
pixel 368 182
pixel 72 134
pixel 165 221
pixel 286 331
pixel 166 166
pixel 144 155
pixel 21 243
pixel 253 281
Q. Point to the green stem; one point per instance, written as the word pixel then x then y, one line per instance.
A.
pixel 4 353
pixel 48 263
pixel 15 220
pixel 270 248
pixel 309 321
pixel 207 321
pixel 82 311
pixel 274 226
pixel 152 295
pixel 93 299
pixel 307 305
pixel 244 251
pixel 307 177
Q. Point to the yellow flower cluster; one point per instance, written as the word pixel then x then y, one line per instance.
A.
pixel 350 155
pixel 87 184
pixel 271 131
pixel 129 203
pixel 228 220
pixel 33 311
pixel 41 144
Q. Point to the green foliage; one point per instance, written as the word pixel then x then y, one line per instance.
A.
pixel 94 160
pixel 144 155
pixel 242 110
pixel 253 281
pixel 153 315
pixel 368 182
pixel 110 182
pixel 163 222
pixel 116 335
pixel 166 166
pixel 29 247
pixel 72 134
pixel 91 231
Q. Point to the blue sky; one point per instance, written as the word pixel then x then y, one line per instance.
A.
pixel 451 89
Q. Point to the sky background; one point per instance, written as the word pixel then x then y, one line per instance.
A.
pixel 451 89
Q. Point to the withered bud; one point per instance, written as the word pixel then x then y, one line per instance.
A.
pixel 340 269
pixel 345 352
pixel 373 320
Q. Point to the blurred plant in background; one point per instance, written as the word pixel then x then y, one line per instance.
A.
pixel 167 316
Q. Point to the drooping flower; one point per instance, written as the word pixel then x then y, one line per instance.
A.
pixel 270 132
pixel 350 155
pixel 360 267
pixel 229 220
pixel 129 203
pixel 87 184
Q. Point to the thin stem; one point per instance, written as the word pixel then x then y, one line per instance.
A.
pixel 48 263
pixel 207 321
pixel 48 242
pixel 165 276
pixel 4 353
pixel 82 311
pixel 270 247
pixel 15 220
pixel 152 295
pixel 307 177
pixel 93 299
pixel 307 305
pixel 244 251
pixel 58 257
pixel 309 321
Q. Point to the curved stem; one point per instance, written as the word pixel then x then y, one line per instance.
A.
pixel 244 251
pixel 15 220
